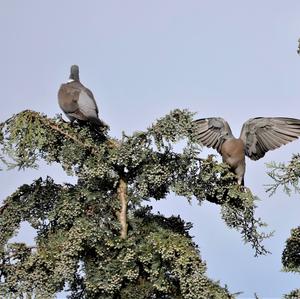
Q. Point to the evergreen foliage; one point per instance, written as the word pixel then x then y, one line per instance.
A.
pixel 291 253
pixel 96 238
pixel 287 176
pixel 293 295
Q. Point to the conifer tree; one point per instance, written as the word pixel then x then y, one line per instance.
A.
pixel 98 238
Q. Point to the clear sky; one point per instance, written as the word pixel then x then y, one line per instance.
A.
pixel 234 59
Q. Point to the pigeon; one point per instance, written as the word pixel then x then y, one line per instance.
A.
pixel 77 101
pixel 258 136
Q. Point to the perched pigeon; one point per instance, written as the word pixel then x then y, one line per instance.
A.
pixel 258 135
pixel 77 101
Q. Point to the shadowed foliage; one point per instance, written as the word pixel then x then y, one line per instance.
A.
pixel 291 256
pixel 96 238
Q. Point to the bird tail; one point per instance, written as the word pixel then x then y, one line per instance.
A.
pixel 102 125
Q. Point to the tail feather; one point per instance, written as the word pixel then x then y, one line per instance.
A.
pixel 99 122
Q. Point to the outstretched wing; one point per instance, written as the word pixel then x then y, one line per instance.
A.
pixel 262 134
pixel 212 132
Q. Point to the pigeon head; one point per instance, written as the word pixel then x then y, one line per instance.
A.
pixel 74 72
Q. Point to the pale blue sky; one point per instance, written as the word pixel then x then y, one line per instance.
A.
pixel 235 59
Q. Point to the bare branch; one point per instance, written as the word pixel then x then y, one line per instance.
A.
pixel 122 214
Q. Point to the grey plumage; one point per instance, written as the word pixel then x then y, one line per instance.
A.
pixel 263 134
pixel 258 136
pixel 77 101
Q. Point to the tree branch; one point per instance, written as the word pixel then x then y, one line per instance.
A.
pixel 111 143
pixel 3 208
pixel 53 125
pixel 122 214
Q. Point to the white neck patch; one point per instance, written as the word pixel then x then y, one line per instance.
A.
pixel 70 80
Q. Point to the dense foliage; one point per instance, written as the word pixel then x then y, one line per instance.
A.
pixel 97 238
pixel 287 176
pixel 291 253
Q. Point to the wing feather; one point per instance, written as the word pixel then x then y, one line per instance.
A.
pixel 212 132
pixel 87 105
pixel 263 134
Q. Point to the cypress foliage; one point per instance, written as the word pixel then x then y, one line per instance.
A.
pixel 287 176
pixel 96 238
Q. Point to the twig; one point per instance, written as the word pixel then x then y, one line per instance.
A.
pixel 58 129
pixel 111 143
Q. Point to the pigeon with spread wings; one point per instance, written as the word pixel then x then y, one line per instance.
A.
pixel 77 101
pixel 258 136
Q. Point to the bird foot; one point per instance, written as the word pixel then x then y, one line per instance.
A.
pixel 244 189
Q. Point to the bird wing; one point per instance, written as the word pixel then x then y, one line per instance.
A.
pixel 90 94
pixel 212 132
pixel 262 134
pixel 87 105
